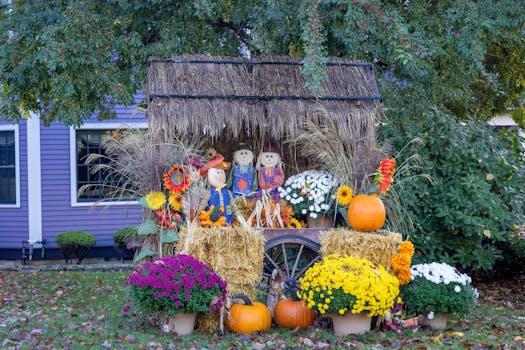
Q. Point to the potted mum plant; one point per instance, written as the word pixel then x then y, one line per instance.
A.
pixel 437 290
pixel 349 290
pixel 175 289
pixel 311 194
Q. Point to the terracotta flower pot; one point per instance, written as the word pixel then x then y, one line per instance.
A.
pixel 350 323
pixel 182 323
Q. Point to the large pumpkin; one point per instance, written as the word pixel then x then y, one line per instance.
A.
pixel 292 314
pixel 366 213
pixel 248 317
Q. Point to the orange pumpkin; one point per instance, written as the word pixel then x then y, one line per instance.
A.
pixel 248 317
pixel 292 314
pixel 366 213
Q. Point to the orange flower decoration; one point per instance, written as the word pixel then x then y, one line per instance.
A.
pixel 401 262
pixel 177 179
pixel 384 173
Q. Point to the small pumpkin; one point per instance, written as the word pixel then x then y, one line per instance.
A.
pixel 248 317
pixel 366 213
pixel 289 313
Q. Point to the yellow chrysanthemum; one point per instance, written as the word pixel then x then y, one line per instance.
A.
pixel 344 195
pixel 155 200
pixel 175 200
pixel 372 286
pixel 294 223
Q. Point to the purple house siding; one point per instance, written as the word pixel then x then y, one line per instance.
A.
pixel 14 221
pixel 58 213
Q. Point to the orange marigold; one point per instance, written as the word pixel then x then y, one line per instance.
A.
pixel 406 248
pixel 400 262
pixel 404 276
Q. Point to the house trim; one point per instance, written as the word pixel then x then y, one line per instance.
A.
pixel 73 157
pixel 17 165
pixel 34 178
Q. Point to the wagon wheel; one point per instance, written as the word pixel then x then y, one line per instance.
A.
pixel 286 259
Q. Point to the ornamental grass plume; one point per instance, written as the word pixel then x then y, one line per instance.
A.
pixel 341 284
pixel 176 283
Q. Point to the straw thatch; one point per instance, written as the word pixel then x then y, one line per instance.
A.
pixel 376 247
pixel 235 253
pixel 256 101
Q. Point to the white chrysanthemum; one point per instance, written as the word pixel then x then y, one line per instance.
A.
pixel 439 273
pixel 313 215
pixel 457 289
pixel 430 315
pixel 304 211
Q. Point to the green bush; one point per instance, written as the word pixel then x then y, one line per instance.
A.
pixel 477 195
pixel 510 261
pixel 121 237
pixel 75 244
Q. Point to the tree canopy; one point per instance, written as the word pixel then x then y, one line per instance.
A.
pixel 69 59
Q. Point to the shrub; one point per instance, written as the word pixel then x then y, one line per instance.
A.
pixel 477 196
pixel 75 244
pixel 122 236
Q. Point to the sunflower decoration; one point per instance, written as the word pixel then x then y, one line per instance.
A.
pixel 175 201
pixel 344 195
pixel 208 218
pixel 155 200
pixel 294 223
pixel 177 179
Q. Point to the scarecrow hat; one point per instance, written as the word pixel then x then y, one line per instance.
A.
pixel 271 148
pixel 216 162
pixel 241 146
pixel 194 161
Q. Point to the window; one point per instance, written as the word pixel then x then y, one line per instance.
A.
pixel 88 185
pixel 8 167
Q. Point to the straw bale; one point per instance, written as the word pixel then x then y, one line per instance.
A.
pixel 376 247
pixel 235 253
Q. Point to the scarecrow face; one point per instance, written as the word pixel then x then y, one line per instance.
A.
pixel 216 177
pixel 243 157
pixel 270 159
pixel 195 174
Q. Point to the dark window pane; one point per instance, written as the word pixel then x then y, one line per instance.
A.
pixel 7 167
pixel 100 184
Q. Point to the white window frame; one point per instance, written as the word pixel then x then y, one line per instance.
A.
pixel 17 165
pixel 73 160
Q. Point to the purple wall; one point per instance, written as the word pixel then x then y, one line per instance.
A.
pixel 14 221
pixel 57 212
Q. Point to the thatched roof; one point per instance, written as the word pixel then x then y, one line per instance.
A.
pixel 263 98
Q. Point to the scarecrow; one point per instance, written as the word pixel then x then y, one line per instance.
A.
pixel 218 211
pixel 243 177
pixel 196 190
pixel 270 171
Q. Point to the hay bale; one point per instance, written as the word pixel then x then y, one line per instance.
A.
pixel 235 253
pixel 376 247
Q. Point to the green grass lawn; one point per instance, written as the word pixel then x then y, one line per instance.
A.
pixel 83 310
